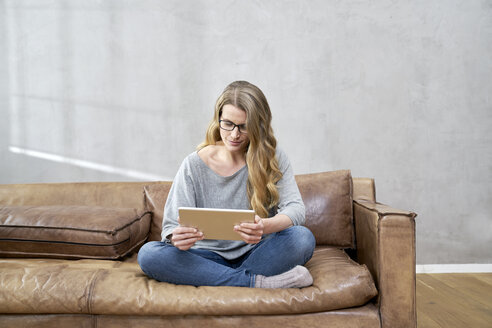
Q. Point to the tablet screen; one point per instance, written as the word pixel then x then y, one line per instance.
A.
pixel 215 223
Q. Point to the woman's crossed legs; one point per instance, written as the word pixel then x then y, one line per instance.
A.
pixel 277 255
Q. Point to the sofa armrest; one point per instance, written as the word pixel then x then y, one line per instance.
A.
pixel 385 240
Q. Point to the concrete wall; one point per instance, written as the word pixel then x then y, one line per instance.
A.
pixel 395 90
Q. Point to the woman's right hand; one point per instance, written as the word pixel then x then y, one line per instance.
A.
pixel 184 238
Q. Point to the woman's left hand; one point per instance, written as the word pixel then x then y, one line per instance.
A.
pixel 251 233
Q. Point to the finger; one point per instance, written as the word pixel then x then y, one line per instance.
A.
pixel 254 232
pixel 183 247
pixel 257 232
pixel 250 239
pixel 185 236
pixel 186 244
pixel 252 226
pixel 180 230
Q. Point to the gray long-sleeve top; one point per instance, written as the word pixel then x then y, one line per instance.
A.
pixel 197 185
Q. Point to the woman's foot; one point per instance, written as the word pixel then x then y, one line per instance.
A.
pixel 296 277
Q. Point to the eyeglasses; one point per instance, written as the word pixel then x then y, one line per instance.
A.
pixel 229 126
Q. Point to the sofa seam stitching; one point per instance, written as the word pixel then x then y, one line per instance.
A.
pixel 382 214
pixel 111 232
pixel 91 290
pixel 139 218
pixel 378 256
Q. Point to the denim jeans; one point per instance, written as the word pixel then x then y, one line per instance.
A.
pixel 275 254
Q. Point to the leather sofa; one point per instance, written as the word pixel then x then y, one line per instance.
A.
pixel 68 259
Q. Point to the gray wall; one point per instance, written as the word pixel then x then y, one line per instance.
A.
pixel 395 90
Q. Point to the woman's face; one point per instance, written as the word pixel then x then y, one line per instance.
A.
pixel 234 140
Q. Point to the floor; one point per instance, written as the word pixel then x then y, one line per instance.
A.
pixel 451 300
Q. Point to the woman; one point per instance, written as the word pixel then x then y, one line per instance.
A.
pixel 238 167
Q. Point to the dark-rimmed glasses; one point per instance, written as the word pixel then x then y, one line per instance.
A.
pixel 229 126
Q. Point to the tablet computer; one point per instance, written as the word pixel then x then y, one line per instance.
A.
pixel 215 223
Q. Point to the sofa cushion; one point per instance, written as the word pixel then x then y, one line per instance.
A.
pixel 94 287
pixel 71 231
pixel 327 197
pixel 155 199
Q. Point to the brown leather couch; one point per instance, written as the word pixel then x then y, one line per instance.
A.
pixel 68 258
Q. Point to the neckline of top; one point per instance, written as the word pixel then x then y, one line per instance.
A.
pixel 217 174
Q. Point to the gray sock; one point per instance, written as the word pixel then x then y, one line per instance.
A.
pixel 294 278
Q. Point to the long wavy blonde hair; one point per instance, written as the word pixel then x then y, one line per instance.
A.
pixel 263 168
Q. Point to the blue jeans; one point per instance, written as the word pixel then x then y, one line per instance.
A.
pixel 279 252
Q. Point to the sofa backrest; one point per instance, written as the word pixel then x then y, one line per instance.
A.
pixel 364 189
pixel 327 196
pixel 104 194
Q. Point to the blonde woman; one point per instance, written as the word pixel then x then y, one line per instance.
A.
pixel 238 166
